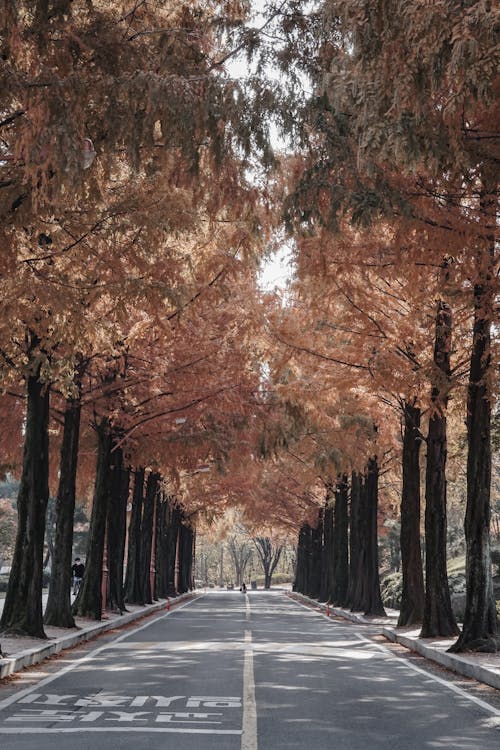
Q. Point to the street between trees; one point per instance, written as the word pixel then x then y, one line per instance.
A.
pixel 252 671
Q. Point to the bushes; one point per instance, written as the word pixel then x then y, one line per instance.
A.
pixel 495 560
pixel 391 588
pixel 277 579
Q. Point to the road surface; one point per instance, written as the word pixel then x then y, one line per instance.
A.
pixel 229 671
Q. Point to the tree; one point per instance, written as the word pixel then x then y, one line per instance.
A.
pixel 89 601
pixel 58 610
pixel 133 587
pixel 241 554
pixel 269 556
pixel 412 595
pixel 434 121
pixel 438 616
pixel 22 613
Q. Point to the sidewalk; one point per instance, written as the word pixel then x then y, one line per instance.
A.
pixel 481 667
pixel 20 651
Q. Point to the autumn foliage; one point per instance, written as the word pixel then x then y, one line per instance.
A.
pixel 143 366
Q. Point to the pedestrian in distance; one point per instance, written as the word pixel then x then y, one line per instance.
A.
pixel 77 571
pixel 243 588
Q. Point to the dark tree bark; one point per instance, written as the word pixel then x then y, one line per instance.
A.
pixel 186 539
pixel 327 563
pixel 58 611
pixel 314 568
pixel 162 521
pixel 354 540
pixel 373 604
pixel 88 602
pixel 173 547
pixel 438 617
pixel 367 597
pixel 303 553
pixel 133 589
pixel 341 544
pixel 117 528
pixel 413 594
pixel 147 535
pixel 480 627
pixel 22 613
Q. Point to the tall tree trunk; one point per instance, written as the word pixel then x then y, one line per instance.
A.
pixel 373 604
pixel 315 572
pixel 413 594
pixel 185 558
pixel 88 602
pixel 354 540
pixel 327 563
pixel 147 535
pixel 133 589
pixel 341 544
pixel 58 611
pixel 438 617
pixel 301 564
pixel 480 627
pixel 367 597
pixel 161 543
pixel 22 613
pixel 117 528
pixel 172 546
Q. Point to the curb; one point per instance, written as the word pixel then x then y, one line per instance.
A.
pixel 455 662
pixel 10 665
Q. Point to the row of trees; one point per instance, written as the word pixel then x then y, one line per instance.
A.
pixel 395 200
pixel 129 253
pixel 133 329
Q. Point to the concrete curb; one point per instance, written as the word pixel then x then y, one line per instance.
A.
pixel 455 662
pixel 462 664
pixel 11 664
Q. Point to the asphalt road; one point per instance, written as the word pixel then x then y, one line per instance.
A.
pixel 234 672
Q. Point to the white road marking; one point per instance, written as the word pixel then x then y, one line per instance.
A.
pixel 485 706
pixel 247 606
pixel 249 736
pixel 454 688
pixel 88 657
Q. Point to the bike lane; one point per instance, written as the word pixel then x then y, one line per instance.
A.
pixel 174 682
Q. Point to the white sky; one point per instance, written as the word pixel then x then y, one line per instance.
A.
pixel 276 270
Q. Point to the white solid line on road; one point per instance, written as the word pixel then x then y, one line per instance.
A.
pixel 454 688
pixel 123 730
pixel 249 736
pixel 485 706
pixel 247 606
pixel 88 657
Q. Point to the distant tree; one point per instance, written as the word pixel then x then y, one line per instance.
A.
pixel 241 554
pixel 269 555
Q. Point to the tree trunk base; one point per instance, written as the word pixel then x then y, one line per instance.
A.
pixel 60 622
pixel 23 632
pixel 490 645
pixel 406 620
